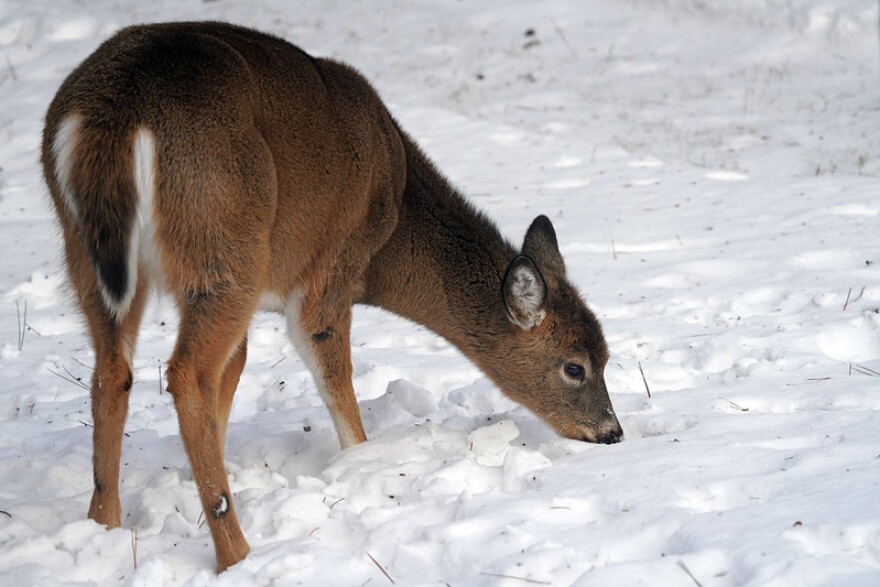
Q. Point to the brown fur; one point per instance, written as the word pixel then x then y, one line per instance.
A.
pixel 279 173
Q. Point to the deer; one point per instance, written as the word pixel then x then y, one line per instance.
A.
pixel 234 172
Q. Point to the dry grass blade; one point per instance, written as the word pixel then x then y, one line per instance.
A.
pixel 644 379
pixel 22 323
pixel 134 547
pixel 11 69
pixel 850 299
pixel 565 39
pixel 73 380
pixel 72 376
pixel 861 369
pixel 689 573
pixel 524 579
pixel 384 572
pixel 81 364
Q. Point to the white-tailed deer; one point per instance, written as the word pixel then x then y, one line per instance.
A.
pixel 236 172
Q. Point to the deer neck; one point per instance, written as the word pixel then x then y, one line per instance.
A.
pixel 444 265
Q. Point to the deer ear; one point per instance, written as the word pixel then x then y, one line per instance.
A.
pixel 540 245
pixel 524 293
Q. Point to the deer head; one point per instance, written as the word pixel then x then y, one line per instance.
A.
pixel 554 353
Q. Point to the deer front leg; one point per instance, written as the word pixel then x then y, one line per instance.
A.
pixel 321 335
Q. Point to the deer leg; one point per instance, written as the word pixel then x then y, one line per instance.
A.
pixel 228 385
pixel 322 338
pixel 319 321
pixel 111 383
pixel 212 328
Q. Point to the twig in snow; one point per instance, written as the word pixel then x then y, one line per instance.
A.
pixel 134 547
pixel 161 385
pixel 737 407
pixel 564 39
pixel 278 362
pixel 7 513
pixel 525 579
pixel 384 572
pixel 69 379
pixel 613 250
pixel 644 380
pixel 689 573
pixel 335 502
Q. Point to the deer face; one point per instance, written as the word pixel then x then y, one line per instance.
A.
pixel 554 353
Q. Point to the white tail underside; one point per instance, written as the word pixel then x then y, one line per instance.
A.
pixel 142 250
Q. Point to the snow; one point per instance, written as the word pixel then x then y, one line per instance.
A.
pixel 712 172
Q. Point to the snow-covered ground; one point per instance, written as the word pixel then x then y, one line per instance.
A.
pixel 712 171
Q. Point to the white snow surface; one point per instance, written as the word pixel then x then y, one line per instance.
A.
pixel 712 172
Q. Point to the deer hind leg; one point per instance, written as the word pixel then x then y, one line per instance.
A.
pixel 212 330
pixel 111 383
pixel 321 335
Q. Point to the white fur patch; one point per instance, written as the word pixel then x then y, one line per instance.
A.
pixel 525 288
pixel 271 301
pixel 144 153
pixel 527 296
pixel 300 338
pixel 63 147
pixel 128 349
pixel 301 341
pixel 222 507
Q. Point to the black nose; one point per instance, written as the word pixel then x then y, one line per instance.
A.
pixel 612 437
pixel 609 432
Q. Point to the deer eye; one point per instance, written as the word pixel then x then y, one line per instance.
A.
pixel 574 370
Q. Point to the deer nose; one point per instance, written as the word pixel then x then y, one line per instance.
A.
pixel 611 437
pixel 607 432
pixel 610 432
